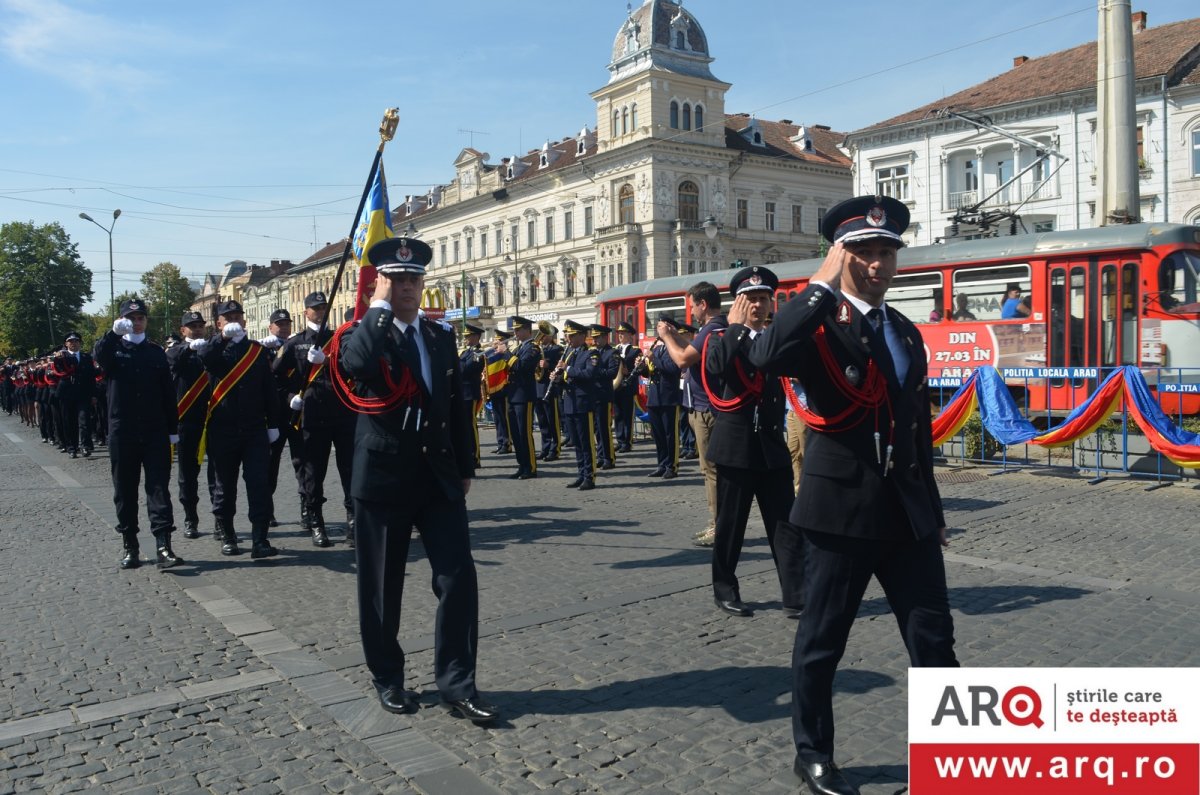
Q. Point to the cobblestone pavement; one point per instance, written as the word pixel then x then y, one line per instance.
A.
pixel 598 637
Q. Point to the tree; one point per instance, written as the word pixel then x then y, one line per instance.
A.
pixel 167 294
pixel 95 325
pixel 43 287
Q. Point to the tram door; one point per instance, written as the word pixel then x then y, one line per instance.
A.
pixel 1093 324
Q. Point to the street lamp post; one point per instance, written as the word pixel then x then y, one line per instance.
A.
pixel 112 293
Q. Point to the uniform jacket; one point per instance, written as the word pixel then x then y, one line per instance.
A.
pixel 141 397
pixel 579 387
pixel 77 380
pixel 186 367
pixel 664 389
pixel 552 354
pixel 607 367
pixel 627 354
pixel 753 437
pixel 431 433
pixel 843 489
pixel 250 407
pixel 471 362
pixel 522 365
pixel 292 369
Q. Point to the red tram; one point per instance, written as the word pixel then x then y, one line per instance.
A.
pixel 1094 298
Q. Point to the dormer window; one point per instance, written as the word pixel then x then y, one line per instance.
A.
pixel 680 40
pixel 758 138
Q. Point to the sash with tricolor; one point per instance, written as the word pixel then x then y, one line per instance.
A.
pixel 191 396
pixel 224 387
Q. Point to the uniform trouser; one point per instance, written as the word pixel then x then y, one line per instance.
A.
pixel 581 428
pixel 623 418
pixel 315 463
pixel 605 449
pixel 702 424
pixel 520 426
pixel 550 421
pixel 383 534
pixel 252 454
pixel 45 419
pixel 68 412
pixel 500 413
pixel 476 407
pixel 737 488
pixel 795 442
pixel 188 477
pixel 664 427
pixel 83 416
pixel 293 440
pixel 913 577
pixel 130 456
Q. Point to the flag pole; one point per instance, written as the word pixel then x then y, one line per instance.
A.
pixel 387 131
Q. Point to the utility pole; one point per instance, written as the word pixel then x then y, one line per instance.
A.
pixel 1117 199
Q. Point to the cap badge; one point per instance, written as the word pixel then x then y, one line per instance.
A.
pixel 755 279
pixel 843 314
pixel 852 376
pixel 404 253
pixel 876 217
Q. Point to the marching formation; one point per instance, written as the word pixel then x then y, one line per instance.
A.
pixel 398 403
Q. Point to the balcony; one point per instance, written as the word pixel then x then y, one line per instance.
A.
pixel 618 229
pixel 1013 194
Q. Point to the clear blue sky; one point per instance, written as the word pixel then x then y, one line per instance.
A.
pixel 243 130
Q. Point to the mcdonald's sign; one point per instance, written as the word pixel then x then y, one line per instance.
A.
pixel 433 303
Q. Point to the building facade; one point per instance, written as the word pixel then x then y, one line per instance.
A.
pixel 939 164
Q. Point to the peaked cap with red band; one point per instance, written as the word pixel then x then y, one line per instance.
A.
pixel 866 218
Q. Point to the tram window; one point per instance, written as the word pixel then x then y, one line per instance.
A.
pixel 674 306
pixel 1129 315
pixel 1108 316
pixel 1058 318
pixel 1077 307
pixel 1177 278
pixel 913 295
pixel 986 288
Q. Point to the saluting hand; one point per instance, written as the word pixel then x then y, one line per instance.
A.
pixel 740 311
pixel 122 326
pixel 835 263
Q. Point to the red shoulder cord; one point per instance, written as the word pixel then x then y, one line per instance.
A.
pixel 753 384
pixel 868 398
pixel 396 393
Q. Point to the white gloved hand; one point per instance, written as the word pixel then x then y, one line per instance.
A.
pixel 173 438
pixel 232 330
pixel 296 402
pixel 122 326
pixel 198 345
pixel 272 435
pixel 316 355
pixel 270 341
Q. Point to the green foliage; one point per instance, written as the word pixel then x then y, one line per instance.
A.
pixel 43 287
pixel 167 294
pixel 978 445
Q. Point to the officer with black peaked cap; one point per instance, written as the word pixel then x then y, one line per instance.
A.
pixel 142 426
pixel 626 351
pixel 600 336
pixel 413 465
pixel 523 358
pixel 472 363
pixel 868 504
pixel 192 392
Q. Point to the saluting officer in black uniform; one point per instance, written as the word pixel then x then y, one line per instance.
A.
pixel 192 392
pixel 142 426
pixel 607 367
pixel 524 355
pixel 580 398
pixel 549 414
pixel 324 421
pixel 748 448
pixel 243 423
pixel 868 504
pixel 472 364
pixel 289 435
pixel 627 351
pixel 413 464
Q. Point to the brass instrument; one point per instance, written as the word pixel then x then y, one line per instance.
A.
pixel 622 371
pixel 544 331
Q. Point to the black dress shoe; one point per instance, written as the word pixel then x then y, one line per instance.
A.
pixel 793 612
pixel 587 485
pixel 165 558
pixel 87 453
pixel 398 700
pixel 474 709
pixel 551 457
pixel 658 473
pixel 668 474
pixel 576 483
pixel 733 607
pixel 541 456
pixel 527 476
pixel 823 778
pixel 608 465
pixel 191 528
pixel 262 549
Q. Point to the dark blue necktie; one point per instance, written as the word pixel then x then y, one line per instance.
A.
pixel 879 345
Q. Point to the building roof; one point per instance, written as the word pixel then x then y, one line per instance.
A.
pixel 1172 50
pixel 777 135
pixel 649 38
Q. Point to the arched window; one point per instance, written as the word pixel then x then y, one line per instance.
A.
pixel 616 121
pixel 680 40
pixel 674 115
pixel 626 208
pixel 624 121
pixel 689 202
pixel 687 116
pixel 633 118
pixel 699 118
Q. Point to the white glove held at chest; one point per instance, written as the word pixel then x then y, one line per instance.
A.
pixel 296 402
pixel 199 345
pixel 316 355
pixel 232 331
pixel 122 326
pixel 270 341
pixel 272 435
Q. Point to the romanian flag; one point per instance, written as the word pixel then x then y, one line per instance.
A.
pixel 374 225
pixel 497 371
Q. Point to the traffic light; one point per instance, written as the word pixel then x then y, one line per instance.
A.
pixel 737 263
